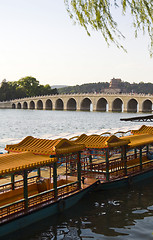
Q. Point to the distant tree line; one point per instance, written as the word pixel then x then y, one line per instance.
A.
pixel 85 88
pixel 126 87
pixel 30 87
pixel 25 87
pixel 146 88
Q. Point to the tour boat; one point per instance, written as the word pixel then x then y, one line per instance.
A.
pixel 26 196
pixel 117 161
pixel 40 178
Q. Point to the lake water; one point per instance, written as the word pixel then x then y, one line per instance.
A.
pixel 121 214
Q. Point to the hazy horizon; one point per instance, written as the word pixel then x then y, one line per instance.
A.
pixel 39 39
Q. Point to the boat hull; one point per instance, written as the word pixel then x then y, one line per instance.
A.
pixel 53 209
pixel 126 181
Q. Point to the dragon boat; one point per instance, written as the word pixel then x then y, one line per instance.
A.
pixel 39 178
pixel 117 161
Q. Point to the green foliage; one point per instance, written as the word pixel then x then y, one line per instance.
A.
pixel 25 87
pixel 126 87
pixel 97 14
pixel 29 84
pixel 85 88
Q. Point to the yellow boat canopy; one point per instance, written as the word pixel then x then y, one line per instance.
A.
pixel 138 140
pixel 45 146
pixel 16 162
pixel 143 129
pixel 97 141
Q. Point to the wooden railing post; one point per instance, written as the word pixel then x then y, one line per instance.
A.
pixel 135 153
pixel 140 156
pixel 125 160
pixel 55 179
pixel 79 169
pixel 12 181
pixel 38 172
pixel 107 164
pixel 147 150
pixel 90 160
pixel 122 153
pixel 25 185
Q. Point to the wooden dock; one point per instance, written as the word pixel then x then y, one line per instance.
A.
pixel 148 118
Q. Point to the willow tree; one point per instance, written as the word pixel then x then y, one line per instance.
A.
pixel 97 14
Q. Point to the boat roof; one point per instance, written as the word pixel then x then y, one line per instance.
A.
pixel 143 129
pixel 17 162
pixel 45 146
pixel 98 141
pixel 138 140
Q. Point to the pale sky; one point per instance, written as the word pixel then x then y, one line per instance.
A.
pixel 37 38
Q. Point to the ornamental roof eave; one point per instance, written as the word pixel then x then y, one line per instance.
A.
pixel 139 140
pixel 143 129
pixel 18 162
pixel 100 142
pixel 45 146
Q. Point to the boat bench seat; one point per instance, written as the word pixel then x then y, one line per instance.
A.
pixel 133 162
pixel 63 182
pixel 144 160
pixel 148 161
pixel 132 166
pixel 17 194
pixel 136 161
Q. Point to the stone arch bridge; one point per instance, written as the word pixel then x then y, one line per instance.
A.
pixel 87 102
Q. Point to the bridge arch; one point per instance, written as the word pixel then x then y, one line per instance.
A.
pixel 25 105
pixel 132 105
pixel 39 105
pixel 59 105
pixel 71 104
pixel 86 105
pixel 102 105
pixel 147 106
pixel 32 105
pixel 48 104
pixel 19 105
pixel 13 106
pixel 117 105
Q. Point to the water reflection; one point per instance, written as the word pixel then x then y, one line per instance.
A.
pixel 125 213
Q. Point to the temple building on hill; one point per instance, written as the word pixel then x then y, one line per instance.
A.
pixel 113 86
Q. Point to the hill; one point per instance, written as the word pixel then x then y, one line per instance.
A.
pixel 125 87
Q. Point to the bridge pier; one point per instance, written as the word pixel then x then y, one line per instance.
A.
pixel 125 107
pixel 53 106
pixel 140 109
pixel 94 107
pixel 109 105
